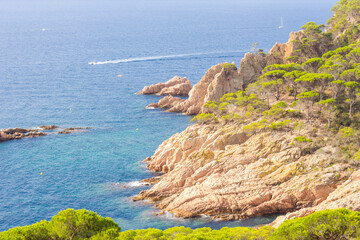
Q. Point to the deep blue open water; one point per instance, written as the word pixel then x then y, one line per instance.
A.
pixel 45 78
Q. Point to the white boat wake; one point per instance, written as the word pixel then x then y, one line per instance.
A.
pixel 141 59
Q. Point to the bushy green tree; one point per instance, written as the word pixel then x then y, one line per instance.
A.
pixel 204 118
pixel 328 224
pixel 312 65
pixel 37 231
pixel 334 66
pixel 329 105
pixel 79 224
pixel 256 127
pixel 312 30
pixel 290 78
pixel 352 90
pixel 301 142
pixel 354 56
pixel 316 81
pixel 276 111
pixel 283 67
pixel 211 106
pixel 337 87
pixel 272 83
pixel 279 125
pixel 307 99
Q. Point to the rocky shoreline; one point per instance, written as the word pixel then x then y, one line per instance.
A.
pixel 19 133
pixel 222 171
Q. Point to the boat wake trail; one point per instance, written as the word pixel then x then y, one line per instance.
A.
pixel 142 59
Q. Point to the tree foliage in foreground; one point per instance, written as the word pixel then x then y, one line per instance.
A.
pixel 83 224
pixel 328 224
pixel 67 224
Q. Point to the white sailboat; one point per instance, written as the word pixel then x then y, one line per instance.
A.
pixel 282 23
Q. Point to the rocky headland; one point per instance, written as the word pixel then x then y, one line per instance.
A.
pixel 222 169
pixel 219 80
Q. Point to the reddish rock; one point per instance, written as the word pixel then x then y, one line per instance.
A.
pixel 166 102
pixel 219 170
pixel 175 86
pixel 32 134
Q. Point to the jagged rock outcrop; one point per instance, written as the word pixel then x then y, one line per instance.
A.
pixel 221 171
pixel 214 84
pixel 250 68
pixel 175 86
pixel 281 51
pixel 346 195
pixel 166 102
pixel 19 133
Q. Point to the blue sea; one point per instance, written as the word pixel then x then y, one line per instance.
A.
pixel 45 78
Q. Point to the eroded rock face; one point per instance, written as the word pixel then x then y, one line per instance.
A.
pixel 346 195
pixel 221 171
pixel 175 86
pixel 166 102
pixel 250 68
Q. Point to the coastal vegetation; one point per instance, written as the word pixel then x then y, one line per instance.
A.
pixel 322 91
pixel 314 95
pixel 82 224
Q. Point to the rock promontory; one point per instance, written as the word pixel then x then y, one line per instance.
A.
pixel 176 86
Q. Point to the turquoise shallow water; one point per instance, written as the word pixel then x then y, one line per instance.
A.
pixel 45 73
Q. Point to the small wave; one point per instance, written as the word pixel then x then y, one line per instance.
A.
pixel 141 59
pixel 134 184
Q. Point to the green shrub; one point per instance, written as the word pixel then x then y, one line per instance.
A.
pixel 256 126
pixel 279 125
pixel 229 66
pixel 204 118
pixel 328 224
pixel 211 105
pixel 346 132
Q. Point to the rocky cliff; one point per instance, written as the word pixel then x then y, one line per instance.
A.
pixel 221 171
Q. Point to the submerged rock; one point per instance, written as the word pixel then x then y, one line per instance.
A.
pixel 50 127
